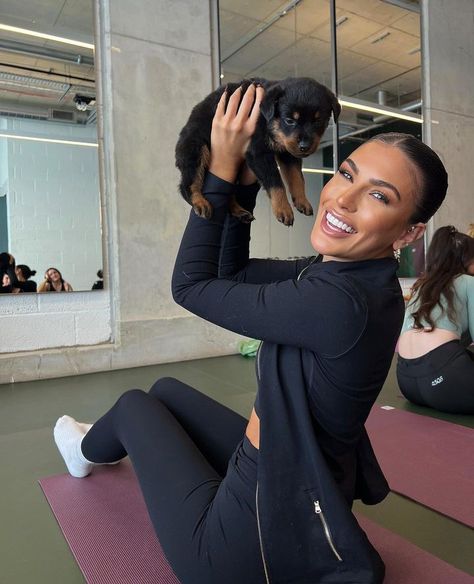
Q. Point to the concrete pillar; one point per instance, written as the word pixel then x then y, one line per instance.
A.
pixel 448 104
pixel 158 62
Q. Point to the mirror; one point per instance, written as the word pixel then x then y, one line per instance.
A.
pixel 49 175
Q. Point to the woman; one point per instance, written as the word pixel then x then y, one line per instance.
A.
pixel 24 273
pixel 54 282
pixel 434 369
pixel 8 279
pixel 269 499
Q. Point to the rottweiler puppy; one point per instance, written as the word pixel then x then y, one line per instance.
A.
pixel 294 114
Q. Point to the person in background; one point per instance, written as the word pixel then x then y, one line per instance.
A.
pixel 54 282
pixel 8 279
pixel 99 284
pixel 24 273
pixel 434 368
pixel 470 230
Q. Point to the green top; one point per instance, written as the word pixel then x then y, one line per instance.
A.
pixel 463 303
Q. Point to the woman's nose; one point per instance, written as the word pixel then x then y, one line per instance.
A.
pixel 347 199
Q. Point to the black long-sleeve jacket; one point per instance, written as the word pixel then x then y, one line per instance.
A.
pixel 329 331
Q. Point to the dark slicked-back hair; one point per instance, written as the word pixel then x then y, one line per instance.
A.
pixel 433 178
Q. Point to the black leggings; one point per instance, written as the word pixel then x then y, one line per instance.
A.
pixel 442 379
pixel 198 476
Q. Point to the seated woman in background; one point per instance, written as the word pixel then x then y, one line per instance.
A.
pixel 53 282
pixel 8 280
pixel 434 368
pixel 24 273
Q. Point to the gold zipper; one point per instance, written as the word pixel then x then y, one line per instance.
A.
pixel 327 531
pixel 267 578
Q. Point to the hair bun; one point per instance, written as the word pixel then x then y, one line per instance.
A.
pixel 33 272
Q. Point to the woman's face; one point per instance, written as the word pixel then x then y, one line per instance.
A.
pixel 367 205
pixel 19 274
pixel 53 275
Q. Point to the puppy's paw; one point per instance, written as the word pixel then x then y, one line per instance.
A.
pixel 239 212
pixel 203 209
pixel 285 216
pixel 303 206
pixel 244 216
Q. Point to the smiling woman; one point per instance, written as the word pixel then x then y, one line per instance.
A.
pixel 370 208
pixel 273 502
pixel 49 174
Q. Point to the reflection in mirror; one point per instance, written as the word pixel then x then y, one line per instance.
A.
pixel 49 185
pixel 378 78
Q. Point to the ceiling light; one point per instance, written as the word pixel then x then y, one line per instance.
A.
pixel 43 35
pixel 341 20
pixel 385 110
pixel 53 140
pixel 318 170
pixel 379 38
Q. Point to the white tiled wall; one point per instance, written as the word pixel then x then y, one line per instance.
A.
pixel 53 201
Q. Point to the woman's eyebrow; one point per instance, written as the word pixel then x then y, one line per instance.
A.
pixel 382 183
pixel 375 181
pixel 353 165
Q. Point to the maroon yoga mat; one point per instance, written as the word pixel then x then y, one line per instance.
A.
pixel 104 520
pixel 427 460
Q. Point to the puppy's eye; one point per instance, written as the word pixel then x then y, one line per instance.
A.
pixel 290 121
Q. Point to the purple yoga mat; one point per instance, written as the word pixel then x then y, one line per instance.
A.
pixel 106 524
pixel 427 460
pixel 104 520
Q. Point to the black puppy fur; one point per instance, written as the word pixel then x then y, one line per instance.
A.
pixel 294 114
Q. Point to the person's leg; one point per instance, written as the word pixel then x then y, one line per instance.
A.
pixel 451 389
pixel 177 482
pixel 408 382
pixel 206 525
pixel 215 429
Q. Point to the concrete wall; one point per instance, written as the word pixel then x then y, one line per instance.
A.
pixel 448 57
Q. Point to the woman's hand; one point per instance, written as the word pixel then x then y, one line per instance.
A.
pixel 232 128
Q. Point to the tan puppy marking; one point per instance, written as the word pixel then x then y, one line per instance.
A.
pixel 200 204
pixel 294 178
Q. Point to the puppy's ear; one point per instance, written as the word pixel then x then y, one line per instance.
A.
pixel 270 100
pixel 335 106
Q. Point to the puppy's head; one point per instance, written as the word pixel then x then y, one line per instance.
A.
pixel 297 111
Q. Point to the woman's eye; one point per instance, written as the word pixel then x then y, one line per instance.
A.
pixel 345 174
pixel 380 197
pixel 290 122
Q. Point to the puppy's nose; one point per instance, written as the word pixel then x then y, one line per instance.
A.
pixel 303 146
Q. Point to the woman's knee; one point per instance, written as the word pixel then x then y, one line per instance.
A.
pixel 132 399
pixel 167 388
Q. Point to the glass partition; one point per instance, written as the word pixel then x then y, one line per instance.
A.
pixel 274 40
pixel 379 81
pixel 369 52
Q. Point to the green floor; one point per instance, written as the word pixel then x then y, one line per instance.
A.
pixel 32 548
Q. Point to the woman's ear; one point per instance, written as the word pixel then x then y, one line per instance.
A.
pixel 410 235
